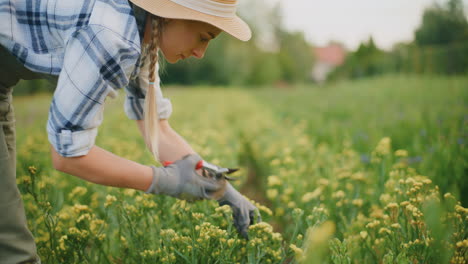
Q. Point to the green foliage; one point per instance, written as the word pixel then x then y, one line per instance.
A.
pixel 326 202
pixel 33 87
pixel 285 57
pixel 230 62
pixel 443 25
pixel 323 161
pixel 440 47
pixel 366 61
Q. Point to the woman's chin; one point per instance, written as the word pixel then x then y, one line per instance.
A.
pixel 172 59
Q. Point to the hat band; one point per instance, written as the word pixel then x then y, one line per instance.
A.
pixel 209 7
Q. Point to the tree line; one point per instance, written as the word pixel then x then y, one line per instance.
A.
pixel 277 56
pixel 440 46
pixel 274 55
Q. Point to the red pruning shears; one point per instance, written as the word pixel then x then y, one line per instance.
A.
pixel 211 169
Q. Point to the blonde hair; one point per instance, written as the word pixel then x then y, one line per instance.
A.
pixel 151 109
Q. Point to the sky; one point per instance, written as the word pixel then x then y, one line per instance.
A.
pixel 354 21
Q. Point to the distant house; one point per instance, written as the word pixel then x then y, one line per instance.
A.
pixel 326 60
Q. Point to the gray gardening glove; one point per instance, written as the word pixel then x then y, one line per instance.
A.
pixel 180 180
pixel 243 211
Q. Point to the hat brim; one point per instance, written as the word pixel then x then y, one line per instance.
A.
pixel 234 26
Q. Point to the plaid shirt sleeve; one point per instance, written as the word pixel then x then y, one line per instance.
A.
pixel 136 93
pixel 97 61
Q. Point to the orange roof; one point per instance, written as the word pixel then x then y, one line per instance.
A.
pixel 333 54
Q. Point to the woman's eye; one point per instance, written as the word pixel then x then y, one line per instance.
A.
pixel 203 39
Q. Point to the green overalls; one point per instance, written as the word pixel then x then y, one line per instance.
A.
pixel 16 241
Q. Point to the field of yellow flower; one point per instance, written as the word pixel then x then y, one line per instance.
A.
pixel 356 172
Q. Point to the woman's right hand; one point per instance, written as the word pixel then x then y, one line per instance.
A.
pixel 180 180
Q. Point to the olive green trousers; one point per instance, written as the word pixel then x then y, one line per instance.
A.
pixel 16 241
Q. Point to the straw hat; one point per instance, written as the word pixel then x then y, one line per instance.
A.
pixel 219 13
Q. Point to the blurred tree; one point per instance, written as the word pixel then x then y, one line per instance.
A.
pixel 295 53
pixel 367 60
pixel 443 25
pixel 443 35
pixel 272 55
pixel 440 47
pixel 295 57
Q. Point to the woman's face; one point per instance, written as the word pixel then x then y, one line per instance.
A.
pixel 185 38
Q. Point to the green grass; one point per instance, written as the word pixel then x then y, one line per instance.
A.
pixel 426 116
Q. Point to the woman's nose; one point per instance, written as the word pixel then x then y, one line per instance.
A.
pixel 199 52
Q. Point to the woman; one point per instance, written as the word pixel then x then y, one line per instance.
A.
pixel 90 48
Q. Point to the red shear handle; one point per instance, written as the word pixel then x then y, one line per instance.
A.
pixel 199 164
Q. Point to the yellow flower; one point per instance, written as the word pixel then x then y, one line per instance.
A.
pixel 297 212
pixel 391 206
pixel 84 217
pixel 129 192
pixel 359 176
pixel 401 153
pixel 225 209
pixel 62 242
pixel 297 251
pixel 264 209
pixel 289 160
pixel 383 147
pixel 25 180
pixel 404 203
pixel 449 196
pixel 261 227
pixel 130 208
pixel 385 230
pixel 339 194
pixel 230 242
pixel 64 215
pixel 320 210
pixel 357 202
pixel 77 232
pixel 378 241
pixel 77 191
pixel 373 224
pixel 288 191
pixel 363 234
pixel 198 216
pixel 311 195
pixel 96 224
pixel 376 212
pixel 385 198
pixel 277 236
pixel 323 181
pixel 426 181
pixel 146 203
pixel 272 193
pixel 460 209
pixel 275 162
pixel 147 253
pixel 274 181
pixel 32 170
pixel 462 244
pixel 78 208
pixel 110 199
pixel 316 239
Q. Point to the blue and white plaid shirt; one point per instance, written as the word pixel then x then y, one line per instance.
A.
pixel 94 46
